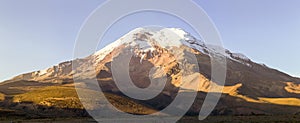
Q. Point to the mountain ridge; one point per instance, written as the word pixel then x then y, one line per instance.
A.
pixel 189 41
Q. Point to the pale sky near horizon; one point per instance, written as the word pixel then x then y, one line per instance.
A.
pixel 37 34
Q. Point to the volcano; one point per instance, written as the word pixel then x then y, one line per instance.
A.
pixel 170 58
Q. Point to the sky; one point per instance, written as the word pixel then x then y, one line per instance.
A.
pixel 37 34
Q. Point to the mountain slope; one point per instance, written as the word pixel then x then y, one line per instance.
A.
pixel 171 55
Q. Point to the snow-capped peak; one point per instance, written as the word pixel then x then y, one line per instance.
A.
pixel 146 38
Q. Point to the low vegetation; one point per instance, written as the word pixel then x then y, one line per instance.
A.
pixel 66 97
pixel 58 96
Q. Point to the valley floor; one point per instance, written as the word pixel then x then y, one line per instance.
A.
pixel 211 119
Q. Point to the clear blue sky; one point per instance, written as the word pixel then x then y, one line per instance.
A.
pixel 36 34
